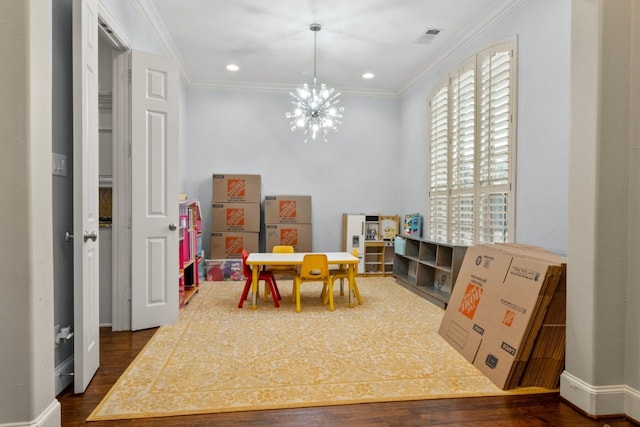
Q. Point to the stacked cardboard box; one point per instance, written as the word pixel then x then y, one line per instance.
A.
pixel 235 215
pixel 503 311
pixel 288 222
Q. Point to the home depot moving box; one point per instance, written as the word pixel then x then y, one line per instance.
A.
pixel 287 209
pixel 498 305
pixel 230 244
pixel 236 188
pixel 235 217
pixel 296 235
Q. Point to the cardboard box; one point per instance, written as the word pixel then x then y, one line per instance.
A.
pixel 498 305
pixel 287 209
pixel 296 235
pixel 235 217
pixel 229 244
pixel 224 269
pixel 236 188
pixel 546 361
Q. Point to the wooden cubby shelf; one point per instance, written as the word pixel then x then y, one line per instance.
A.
pixel 428 268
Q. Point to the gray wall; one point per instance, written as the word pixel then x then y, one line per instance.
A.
pixel 381 151
pixel 632 314
pixel 247 132
pixel 602 363
pixel 62 143
pixel 26 258
pixel 542 118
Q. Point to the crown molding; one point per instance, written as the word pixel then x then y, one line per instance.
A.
pixel 464 42
pixel 282 88
pixel 155 22
pixel 150 14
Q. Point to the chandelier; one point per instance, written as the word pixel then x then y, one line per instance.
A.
pixel 315 108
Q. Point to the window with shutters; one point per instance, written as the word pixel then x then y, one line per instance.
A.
pixel 472 151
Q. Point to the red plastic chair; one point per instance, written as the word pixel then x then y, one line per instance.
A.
pixel 268 278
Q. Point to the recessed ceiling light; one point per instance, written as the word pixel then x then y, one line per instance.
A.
pixel 232 67
pixel 368 75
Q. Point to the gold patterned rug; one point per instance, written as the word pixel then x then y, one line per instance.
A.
pixel 219 358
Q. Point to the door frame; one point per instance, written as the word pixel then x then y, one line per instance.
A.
pixel 121 44
pixel 121 208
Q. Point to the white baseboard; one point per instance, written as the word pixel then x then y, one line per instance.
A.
pixel 632 404
pixel 50 417
pixel 599 400
pixel 62 381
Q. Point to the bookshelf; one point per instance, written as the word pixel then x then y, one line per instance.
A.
pixel 426 267
pixel 189 249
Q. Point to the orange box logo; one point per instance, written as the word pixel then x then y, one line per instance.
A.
pixel 233 245
pixel 235 188
pixel 288 209
pixel 289 236
pixel 470 300
pixel 235 216
pixel 509 316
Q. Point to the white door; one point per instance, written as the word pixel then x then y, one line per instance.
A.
pixel 154 203
pixel 85 193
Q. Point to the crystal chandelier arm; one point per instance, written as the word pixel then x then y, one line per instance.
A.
pixel 316 110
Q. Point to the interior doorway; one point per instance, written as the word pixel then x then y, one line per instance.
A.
pixel 114 185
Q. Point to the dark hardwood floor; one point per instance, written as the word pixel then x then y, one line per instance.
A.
pixel 118 349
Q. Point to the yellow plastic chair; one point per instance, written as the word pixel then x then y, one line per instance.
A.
pixel 314 268
pixel 341 273
pixel 286 270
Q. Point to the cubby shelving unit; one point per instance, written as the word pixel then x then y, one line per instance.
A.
pixel 190 245
pixel 427 268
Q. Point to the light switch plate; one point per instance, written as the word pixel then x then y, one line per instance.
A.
pixel 59 164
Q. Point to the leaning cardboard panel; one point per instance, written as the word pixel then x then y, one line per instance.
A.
pixel 496 305
pixel 546 361
pixel 464 323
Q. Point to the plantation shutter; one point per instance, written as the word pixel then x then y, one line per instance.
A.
pixel 463 155
pixel 472 151
pixel 494 145
pixel 439 165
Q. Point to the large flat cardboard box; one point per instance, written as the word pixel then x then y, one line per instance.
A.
pixel 287 209
pixel 236 188
pixel 229 244
pixel 498 305
pixel 235 217
pixel 296 235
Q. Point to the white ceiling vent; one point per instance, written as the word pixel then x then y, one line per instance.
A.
pixel 429 35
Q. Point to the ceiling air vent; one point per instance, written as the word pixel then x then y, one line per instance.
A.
pixel 429 35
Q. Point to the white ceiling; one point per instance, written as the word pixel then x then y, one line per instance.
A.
pixel 271 42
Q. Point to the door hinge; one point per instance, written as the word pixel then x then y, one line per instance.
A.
pixel 129 75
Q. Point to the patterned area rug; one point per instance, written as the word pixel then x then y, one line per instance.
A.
pixel 219 358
